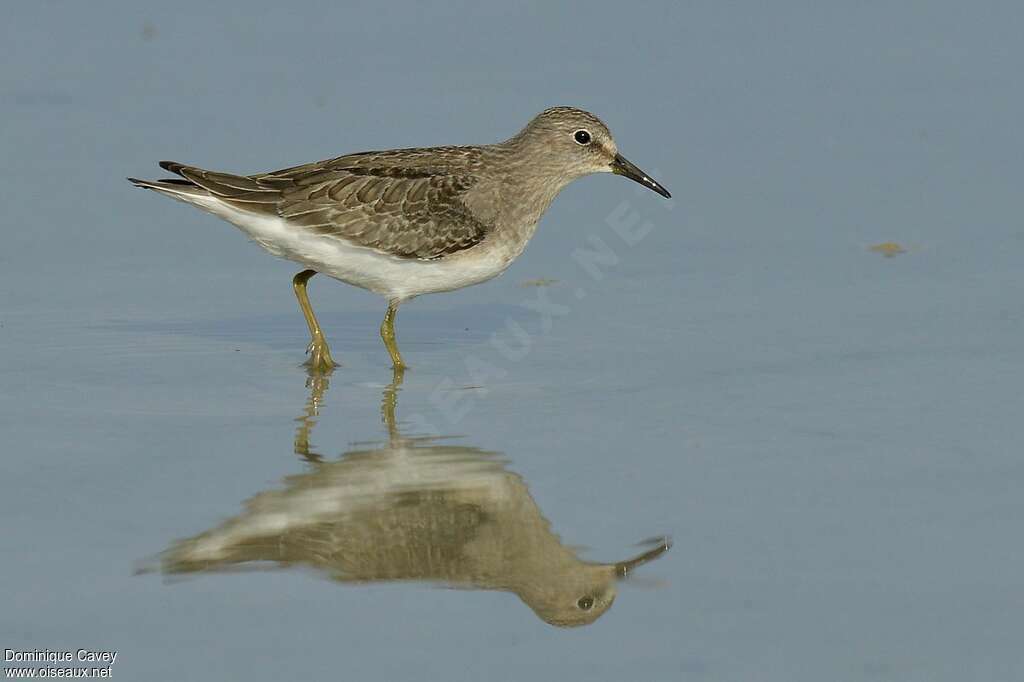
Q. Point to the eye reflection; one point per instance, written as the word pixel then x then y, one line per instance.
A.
pixel 408 509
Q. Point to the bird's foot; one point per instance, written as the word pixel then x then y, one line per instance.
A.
pixel 320 359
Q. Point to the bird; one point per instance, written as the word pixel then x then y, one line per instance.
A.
pixel 410 509
pixel 406 222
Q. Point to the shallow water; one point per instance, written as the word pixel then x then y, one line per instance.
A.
pixel 830 436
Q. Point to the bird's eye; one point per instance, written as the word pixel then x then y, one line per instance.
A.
pixel 581 137
pixel 585 602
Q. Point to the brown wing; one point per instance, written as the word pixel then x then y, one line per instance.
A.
pixel 407 203
pixel 414 215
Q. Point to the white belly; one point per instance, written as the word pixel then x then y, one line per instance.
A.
pixel 389 276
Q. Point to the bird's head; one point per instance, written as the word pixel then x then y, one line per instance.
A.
pixel 571 600
pixel 578 592
pixel 575 143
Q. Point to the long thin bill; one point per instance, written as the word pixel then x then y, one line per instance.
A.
pixel 622 166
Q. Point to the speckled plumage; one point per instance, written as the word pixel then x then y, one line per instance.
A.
pixel 407 222
pixel 406 203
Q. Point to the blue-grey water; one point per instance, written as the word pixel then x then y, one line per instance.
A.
pixel 832 437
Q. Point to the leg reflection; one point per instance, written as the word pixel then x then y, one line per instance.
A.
pixel 318 383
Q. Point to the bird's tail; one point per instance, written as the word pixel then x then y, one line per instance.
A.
pixel 177 188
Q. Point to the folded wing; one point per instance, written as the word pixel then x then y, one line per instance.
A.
pixel 384 201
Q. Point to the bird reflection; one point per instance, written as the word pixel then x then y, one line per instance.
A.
pixel 410 509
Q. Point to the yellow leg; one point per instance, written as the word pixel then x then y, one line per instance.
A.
pixel 320 359
pixel 390 401
pixel 387 334
pixel 317 383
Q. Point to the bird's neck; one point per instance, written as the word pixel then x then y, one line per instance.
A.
pixel 532 181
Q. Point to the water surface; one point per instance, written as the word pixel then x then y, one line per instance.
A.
pixel 830 436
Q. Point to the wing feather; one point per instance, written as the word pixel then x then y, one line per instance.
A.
pixel 407 203
pixel 410 214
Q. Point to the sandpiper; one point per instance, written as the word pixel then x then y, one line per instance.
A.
pixel 407 222
pixel 411 508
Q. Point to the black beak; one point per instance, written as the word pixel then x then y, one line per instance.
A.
pixel 620 166
pixel 624 568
